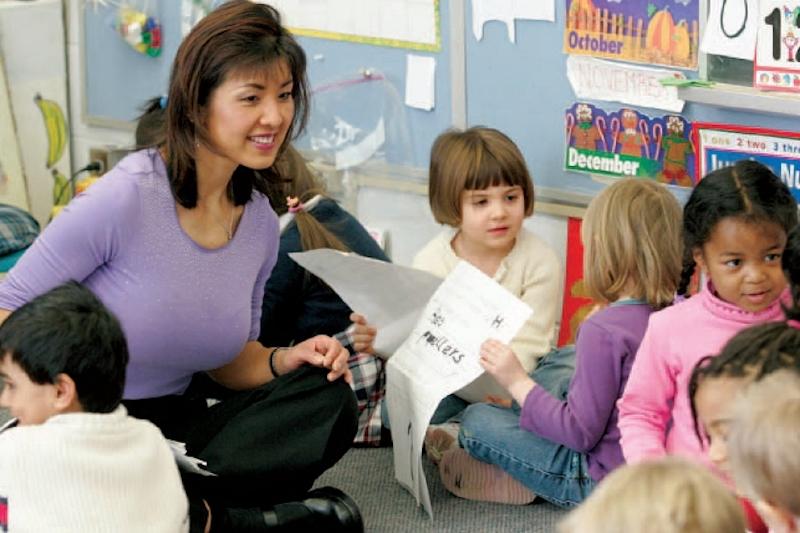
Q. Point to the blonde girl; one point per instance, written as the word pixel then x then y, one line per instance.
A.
pixel 670 495
pixel 557 447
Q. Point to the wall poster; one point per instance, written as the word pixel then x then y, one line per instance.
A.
pixel 628 143
pixel 777 64
pixel 721 145
pixel 662 32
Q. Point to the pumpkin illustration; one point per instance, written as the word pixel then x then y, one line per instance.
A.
pixel 580 8
pixel 660 30
pixel 681 42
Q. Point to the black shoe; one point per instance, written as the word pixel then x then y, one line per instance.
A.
pixel 326 508
pixel 332 502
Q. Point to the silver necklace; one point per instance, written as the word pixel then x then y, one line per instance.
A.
pixel 229 229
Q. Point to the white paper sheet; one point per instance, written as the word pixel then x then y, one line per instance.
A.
pixel 390 296
pixel 392 20
pixel 739 15
pixel 440 357
pixel 508 11
pixel 421 81
pixel 596 79
pixel 358 153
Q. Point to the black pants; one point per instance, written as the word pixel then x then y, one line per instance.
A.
pixel 267 445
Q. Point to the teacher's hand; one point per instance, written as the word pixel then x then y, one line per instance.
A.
pixel 321 351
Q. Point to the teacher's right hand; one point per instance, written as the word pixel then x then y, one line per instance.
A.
pixel 321 351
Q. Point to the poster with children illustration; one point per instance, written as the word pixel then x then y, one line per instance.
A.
pixel 777 65
pixel 721 145
pixel 662 32
pixel 628 143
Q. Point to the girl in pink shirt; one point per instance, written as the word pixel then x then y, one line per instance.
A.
pixel 735 227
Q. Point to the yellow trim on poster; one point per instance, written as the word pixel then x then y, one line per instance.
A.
pixel 379 41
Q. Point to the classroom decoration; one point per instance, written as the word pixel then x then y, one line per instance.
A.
pixel 663 32
pixel 777 64
pixel 597 79
pixel 577 305
pixel 37 87
pixel 721 145
pixel 411 24
pixel 508 12
pixel 356 119
pixel 628 143
pixel 55 126
pixel 731 28
pixel 141 31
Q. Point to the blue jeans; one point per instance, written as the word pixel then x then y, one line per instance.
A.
pixel 492 434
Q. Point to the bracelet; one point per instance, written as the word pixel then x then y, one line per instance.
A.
pixel 272 361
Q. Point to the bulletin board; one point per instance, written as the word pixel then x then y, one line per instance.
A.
pixel 520 88
pixel 118 80
pixel 523 90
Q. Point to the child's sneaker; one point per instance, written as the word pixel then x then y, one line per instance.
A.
pixel 440 438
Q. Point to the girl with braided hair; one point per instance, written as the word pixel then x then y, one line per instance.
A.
pixel 735 229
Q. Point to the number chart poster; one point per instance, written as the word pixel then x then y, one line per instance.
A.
pixel 777 64
pixel 721 145
pixel 663 32
pixel 627 143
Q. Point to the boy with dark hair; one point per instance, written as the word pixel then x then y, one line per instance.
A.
pixel 74 460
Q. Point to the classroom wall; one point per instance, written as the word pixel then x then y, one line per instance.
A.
pixel 520 88
pixel 84 136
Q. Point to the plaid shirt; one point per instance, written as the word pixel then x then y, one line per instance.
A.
pixel 18 229
pixel 369 386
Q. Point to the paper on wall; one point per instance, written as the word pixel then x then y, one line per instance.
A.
pixel 596 79
pixel 508 11
pixel 390 296
pixel 440 357
pixel 421 81
pixel 358 153
pixel 731 29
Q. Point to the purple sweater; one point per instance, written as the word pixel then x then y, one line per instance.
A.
pixel 587 421
pixel 184 308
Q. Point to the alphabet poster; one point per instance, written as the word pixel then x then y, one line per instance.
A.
pixel 628 143
pixel 777 65
pixel 663 32
pixel 721 145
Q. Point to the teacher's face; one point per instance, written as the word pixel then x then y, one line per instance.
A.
pixel 249 115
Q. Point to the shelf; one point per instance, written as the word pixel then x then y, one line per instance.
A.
pixel 743 99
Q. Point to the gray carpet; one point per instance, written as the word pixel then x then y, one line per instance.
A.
pixel 367 475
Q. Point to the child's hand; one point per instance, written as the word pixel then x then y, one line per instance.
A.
pixel 502 364
pixel 498 401
pixel 362 335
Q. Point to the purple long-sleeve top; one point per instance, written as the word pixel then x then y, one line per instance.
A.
pixel 587 421
pixel 184 308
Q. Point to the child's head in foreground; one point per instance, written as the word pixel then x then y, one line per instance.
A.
pixel 735 226
pixel 716 381
pixel 670 495
pixel 632 243
pixel 479 183
pixel 765 448
pixel 62 352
